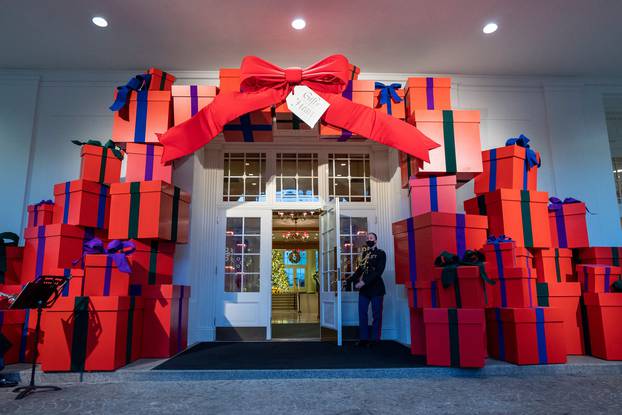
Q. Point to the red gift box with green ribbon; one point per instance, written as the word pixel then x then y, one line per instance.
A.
pixel 600 255
pixel 144 163
pixel 455 337
pixel 554 265
pixel 11 257
pixel 514 287
pixel 159 80
pixel 597 278
pixel 152 262
pixel 526 336
pixel 188 100
pixel 463 283
pixel 565 296
pixel 604 313
pixel 41 213
pixel 418 241
pixel 166 319
pixel 82 203
pixel 432 194
pixel 567 223
pixel 92 333
pixel 100 162
pixel 150 209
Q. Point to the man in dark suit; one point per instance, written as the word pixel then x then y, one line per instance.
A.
pixel 368 280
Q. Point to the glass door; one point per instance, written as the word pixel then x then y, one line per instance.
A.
pixel 330 270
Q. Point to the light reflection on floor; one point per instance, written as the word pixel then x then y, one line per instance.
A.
pixel 286 317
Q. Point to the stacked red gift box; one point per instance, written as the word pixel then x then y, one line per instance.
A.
pixel 115 240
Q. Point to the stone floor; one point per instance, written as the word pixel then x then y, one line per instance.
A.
pixel 564 394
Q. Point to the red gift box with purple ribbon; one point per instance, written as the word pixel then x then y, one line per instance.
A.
pixel 360 92
pixel 144 163
pixel 82 203
pixel 427 94
pixel 432 194
pixel 526 336
pixel 597 278
pixel 41 213
pixel 188 100
pixel 601 255
pixel 514 287
pixel 11 257
pixel 567 223
pixel 107 270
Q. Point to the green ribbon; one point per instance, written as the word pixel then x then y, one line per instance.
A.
pixel 12 239
pixel 525 210
pixel 109 145
pixel 558 272
pixel 542 290
pixel 481 204
pixel 615 257
pixel 454 337
pixel 449 140
pixel 616 287
pixel 449 276
pixel 80 333
pixel 175 218
pixel 586 327
pixel 153 262
pixel 130 331
pixel 132 231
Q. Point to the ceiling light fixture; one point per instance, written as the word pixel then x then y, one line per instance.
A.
pixel 299 24
pixel 490 28
pixel 99 21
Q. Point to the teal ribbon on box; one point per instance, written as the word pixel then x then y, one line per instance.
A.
pixel 450 263
pixel 111 145
pixel 6 239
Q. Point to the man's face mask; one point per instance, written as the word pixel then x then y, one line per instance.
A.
pixel 371 244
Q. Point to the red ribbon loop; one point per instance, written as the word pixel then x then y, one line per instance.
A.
pixel 293 76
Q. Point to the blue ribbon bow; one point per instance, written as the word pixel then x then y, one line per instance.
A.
pixel 116 249
pixel 498 239
pixel 137 83
pixel 557 204
pixel 530 156
pixel 44 202
pixel 388 92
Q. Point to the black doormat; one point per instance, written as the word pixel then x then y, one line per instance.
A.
pixel 296 331
pixel 291 355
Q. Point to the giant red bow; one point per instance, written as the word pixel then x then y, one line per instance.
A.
pixel 264 84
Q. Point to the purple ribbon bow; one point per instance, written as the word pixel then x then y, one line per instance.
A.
pixel 557 203
pixel 498 239
pixel 117 250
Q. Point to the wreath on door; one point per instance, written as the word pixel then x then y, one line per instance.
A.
pixel 294 257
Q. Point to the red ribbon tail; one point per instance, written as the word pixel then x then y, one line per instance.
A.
pixel 189 136
pixel 377 126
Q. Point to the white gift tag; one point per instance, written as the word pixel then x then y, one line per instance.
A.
pixel 306 104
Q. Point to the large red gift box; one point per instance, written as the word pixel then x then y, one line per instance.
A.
pixel 425 93
pixel 565 296
pixel 103 278
pixel 417 332
pixel 92 333
pixel 188 100
pixel 152 262
pixel 457 132
pixel 506 168
pixel 160 80
pixel 526 336
pixel 455 337
pixel 568 225
pixel 514 287
pixel 82 203
pixel 41 213
pixel 604 313
pixel 11 329
pixel 166 319
pixel 521 215
pixel 146 113
pixel 432 194
pixel 468 289
pixel 99 164
pixel 360 92
pixel 393 107
pixel 600 255
pixel 418 241
pixel 51 248
pixel 153 209
pixel 144 163
pixel 554 265
pixel 11 257
pixel 597 278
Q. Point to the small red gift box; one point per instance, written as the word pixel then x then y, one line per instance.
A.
pixel 51 247
pixel 568 225
pixel 506 168
pixel 455 337
pixel 432 194
pixel 146 113
pixel 11 257
pixel 418 241
pixel 565 296
pixel 457 132
pixel 144 163
pixel 521 215
pixel 154 209
pixel 469 289
pixel 423 295
pixel 152 262
pixel 83 203
pixel 386 103
pixel 526 336
pixel 360 92
pixel 604 313
pixel 417 332
pixel 11 328
pixel 103 278
pixel 600 255
pixel 499 253
pixel 515 287
pixel 166 319
pixel 524 259
pixel 92 333
pixel 597 278
pixel 554 265
pixel 160 80
pixel 476 205
pixel 425 93
pixel 99 164
pixel 41 213
pixel 188 100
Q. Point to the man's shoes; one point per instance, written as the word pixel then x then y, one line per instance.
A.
pixel 5 383
pixel 363 344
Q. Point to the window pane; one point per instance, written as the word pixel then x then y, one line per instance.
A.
pixel 252 187
pixel 344 229
pixel 233 283
pixel 252 168
pixel 236 187
pixel 346 246
pixel 341 187
pixel 341 168
pixel 288 189
pixel 359 226
pixel 289 167
pixel 357 168
pixel 305 189
pixel 251 244
pixel 252 226
pixel 305 168
pixel 357 187
pixel 251 263
pixel 251 283
pixel 234 226
pixel 237 168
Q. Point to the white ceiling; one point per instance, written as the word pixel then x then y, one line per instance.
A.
pixel 535 37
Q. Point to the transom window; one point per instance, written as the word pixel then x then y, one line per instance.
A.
pixel 349 177
pixel 242 250
pixel 244 177
pixel 296 177
pixel 353 233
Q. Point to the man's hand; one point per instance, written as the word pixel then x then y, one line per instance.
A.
pixel 359 285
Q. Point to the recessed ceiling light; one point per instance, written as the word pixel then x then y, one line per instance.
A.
pixel 99 21
pixel 490 28
pixel 299 24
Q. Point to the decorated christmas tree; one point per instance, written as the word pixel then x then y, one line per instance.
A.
pixel 279 277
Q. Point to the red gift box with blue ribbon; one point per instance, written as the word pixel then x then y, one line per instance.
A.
pixel 40 213
pixel 389 99
pixel 145 114
pixel 432 194
pixel 567 223
pixel 597 278
pixel 82 203
pixel 515 287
